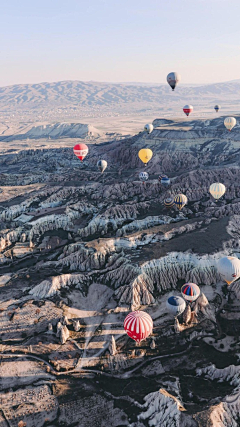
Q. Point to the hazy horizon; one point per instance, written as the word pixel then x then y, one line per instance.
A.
pixel 126 83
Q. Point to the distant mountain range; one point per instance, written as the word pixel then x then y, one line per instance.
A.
pixel 95 94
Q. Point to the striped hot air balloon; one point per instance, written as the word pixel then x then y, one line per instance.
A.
pixel 80 150
pixel 138 325
pixel 188 109
pixel 217 190
pixel 169 202
pixel 161 177
pixel 190 291
pixel 165 181
pixel 176 305
pixel 180 201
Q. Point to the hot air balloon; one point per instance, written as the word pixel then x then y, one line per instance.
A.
pixel 217 108
pixel 230 122
pixel 180 201
pixel 102 165
pixel 148 128
pixel 165 181
pixel 176 305
pixel 173 79
pixel 143 176
pixel 190 291
pixel 188 109
pixel 145 155
pixel 217 190
pixel 229 269
pixel 80 150
pixel 161 177
pixel 169 202
pixel 138 325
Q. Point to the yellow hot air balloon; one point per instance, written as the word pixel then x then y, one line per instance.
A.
pixel 145 155
pixel 180 201
pixel 230 122
pixel 217 190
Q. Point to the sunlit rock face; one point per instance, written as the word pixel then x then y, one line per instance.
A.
pixel 81 249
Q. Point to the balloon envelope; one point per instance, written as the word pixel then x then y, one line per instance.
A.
pixel 143 176
pixel 145 155
pixel 80 150
pixel 176 305
pixel 188 109
pixel 190 291
pixel 102 165
pixel 217 190
pixel 180 201
pixel 230 122
pixel 165 181
pixel 138 325
pixel 229 269
pixel 217 108
pixel 173 79
pixel 161 177
pixel 148 128
pixel 169 202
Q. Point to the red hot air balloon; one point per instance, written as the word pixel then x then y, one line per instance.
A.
pixel 188 109
pixel 138 325
pixel 80 150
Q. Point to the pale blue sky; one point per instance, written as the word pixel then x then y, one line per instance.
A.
pixel 119 40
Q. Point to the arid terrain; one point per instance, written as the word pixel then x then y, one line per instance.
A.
pixel 81 249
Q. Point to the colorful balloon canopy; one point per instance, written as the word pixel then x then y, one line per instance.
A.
pixel 173 79
pixel 138 325
pixel 217 190
pixel 169 202
pixel 176 305
pixel 165 181
pixel 145 154
pixel 230 122
pixel 148 128
pixel 190 291
pixel 188 109
pixel 217 108
pixel 161 177
pixel 229 269
pixel 180 201
pixel 102 165
pixel 80 150
pixel 143 176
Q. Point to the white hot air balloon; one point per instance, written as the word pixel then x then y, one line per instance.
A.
pixel 217 190
pixel 148 128
pixel 230 122
pixel 143 176
pixel 176 305
pixel 102 165
pixel 173 79
pixel 229 269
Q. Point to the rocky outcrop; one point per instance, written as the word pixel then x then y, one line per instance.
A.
pixel 162 408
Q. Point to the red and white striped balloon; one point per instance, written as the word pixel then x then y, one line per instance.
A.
pixel 80 150
pixel 188 109
pixel 138 325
